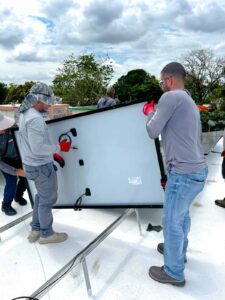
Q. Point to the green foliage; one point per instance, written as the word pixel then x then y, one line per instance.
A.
pixel 82 80
pixel 137 85
pixel 217 97
pixel 205 117
pixel 17 92
pixel 204 73
pixel 217 116
pixel 3 92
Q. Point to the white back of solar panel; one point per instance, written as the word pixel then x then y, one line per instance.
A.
pixel 120 163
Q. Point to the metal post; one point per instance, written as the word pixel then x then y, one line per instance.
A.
pixel 138 221
pixel 86 276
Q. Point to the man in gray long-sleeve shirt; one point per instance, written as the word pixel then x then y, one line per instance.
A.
pixel 37 157
pixel 177 119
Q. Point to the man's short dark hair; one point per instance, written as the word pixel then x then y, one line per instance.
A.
pixel 175 69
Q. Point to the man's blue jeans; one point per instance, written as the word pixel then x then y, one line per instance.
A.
pixel 181 189
pixel 45 180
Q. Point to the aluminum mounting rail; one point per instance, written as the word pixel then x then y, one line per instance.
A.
pixel 15 222
pixel 80 257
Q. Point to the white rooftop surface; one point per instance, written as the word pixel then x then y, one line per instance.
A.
pixel 118 267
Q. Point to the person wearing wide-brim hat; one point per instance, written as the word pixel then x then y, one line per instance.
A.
pixel 11 168
pixel 5 122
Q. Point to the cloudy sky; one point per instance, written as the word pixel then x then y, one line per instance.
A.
pixel 37 35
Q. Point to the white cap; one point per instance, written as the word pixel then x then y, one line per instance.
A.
pixel 5 122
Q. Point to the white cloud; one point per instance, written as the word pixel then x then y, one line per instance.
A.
pixel 36 36
pixel 205 19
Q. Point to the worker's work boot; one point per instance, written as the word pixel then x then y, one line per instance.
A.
pixel 8 210
pixel 158 274
pixel 220 203
pixel 21 201
pixel 54 238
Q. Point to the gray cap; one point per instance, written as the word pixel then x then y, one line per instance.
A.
pixel 40 88
pixel 39 91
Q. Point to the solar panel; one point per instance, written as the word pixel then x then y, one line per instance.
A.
pixel 113 162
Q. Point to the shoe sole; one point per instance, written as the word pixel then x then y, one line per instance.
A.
pixel 220 205
pixel 21 204
pixel 9 214
pixel 49 242
pixel 43 241
pixel 180 284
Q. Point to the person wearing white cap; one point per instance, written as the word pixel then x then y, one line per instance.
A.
pixel 11 167
pixel 38 153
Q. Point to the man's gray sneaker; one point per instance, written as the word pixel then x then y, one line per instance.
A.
pixel 33 236
pixel 160 249
pixel 158 274
pixel 54 238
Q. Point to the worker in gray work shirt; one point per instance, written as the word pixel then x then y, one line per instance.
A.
pixel 177 119
pixel 37 153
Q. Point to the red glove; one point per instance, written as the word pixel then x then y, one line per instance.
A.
pixel 223 153
pixel 59 159
pixel 148 107
pixel 65 146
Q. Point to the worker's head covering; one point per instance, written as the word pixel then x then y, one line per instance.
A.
pixel 39 91
pixel 5 122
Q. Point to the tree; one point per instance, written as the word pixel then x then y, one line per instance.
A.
pixel 82 80
pixel 3 92
pixel 204 73
pixel 217 97
pixel 137 85
pixel 17 92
